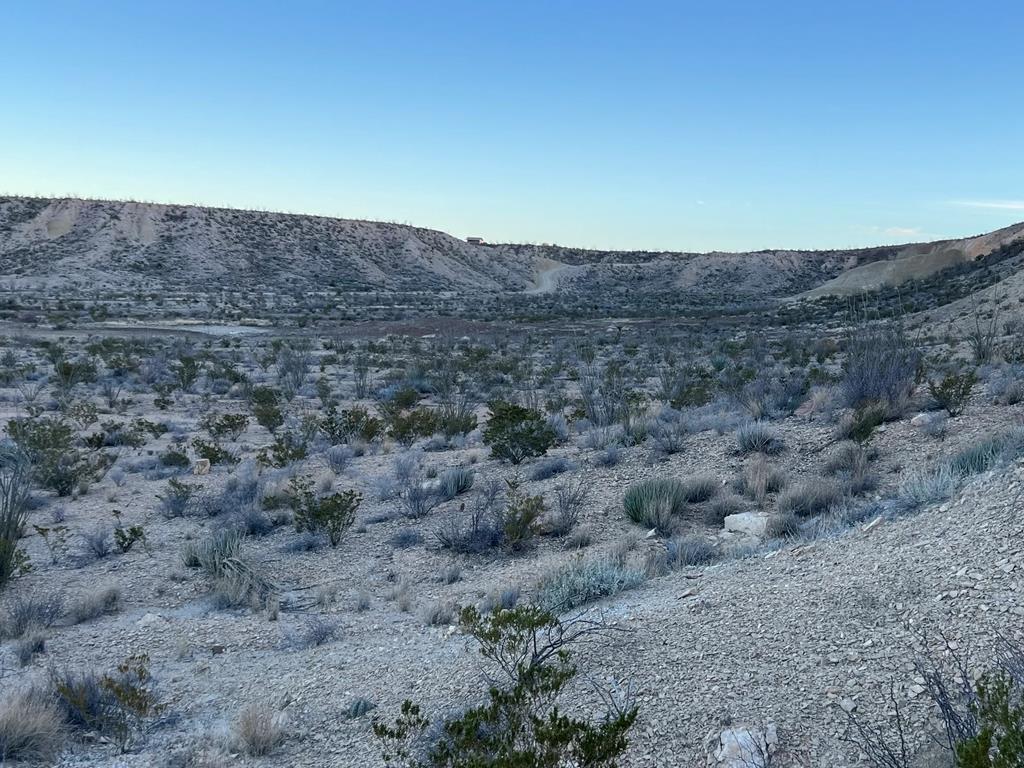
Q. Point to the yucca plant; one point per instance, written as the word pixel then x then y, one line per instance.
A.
pixel 15 483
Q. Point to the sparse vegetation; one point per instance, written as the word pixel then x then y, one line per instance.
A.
pixel 532 649
pixel 352 503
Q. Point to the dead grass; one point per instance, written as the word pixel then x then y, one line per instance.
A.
pixel 30 728
pixel 259 730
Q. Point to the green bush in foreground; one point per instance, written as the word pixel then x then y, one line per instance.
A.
pixel 999 711
pixel 519 725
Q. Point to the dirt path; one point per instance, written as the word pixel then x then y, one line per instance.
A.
pixel 548 278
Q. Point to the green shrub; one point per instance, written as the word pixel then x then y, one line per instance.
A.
pixel 212 452
pixel 230 425
pixel 656 503
pixel 954 391
pixel 127 536
pixel 265 408
pixel 186 371
pixel 407 426
pixel 520 518
pixel 174 458
pixel 286 448
pixel 340 427
pixel 516 433
pixel 175 499
pixel 49 444
pixel 520 723
pixel 861 424
pixel 405 397
pixel 999 711
pixel 332 514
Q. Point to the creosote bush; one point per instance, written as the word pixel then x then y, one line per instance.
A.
pixel 519 723
pixel 519 522
pixel 332 514
pixel 50 446
pixel 515 433
pixel 953 392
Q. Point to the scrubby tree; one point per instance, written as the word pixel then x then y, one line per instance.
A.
pixel 516 433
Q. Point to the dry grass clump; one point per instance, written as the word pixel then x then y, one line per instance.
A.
pixel 759 479
pixel 812 498
pixel 31 728
pixel 259 730
pixel 103 601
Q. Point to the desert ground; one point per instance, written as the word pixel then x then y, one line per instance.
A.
pixel 243 522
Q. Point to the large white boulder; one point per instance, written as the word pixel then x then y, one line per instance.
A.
pixel 750 523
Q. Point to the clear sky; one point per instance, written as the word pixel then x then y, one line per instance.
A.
pixel 668 125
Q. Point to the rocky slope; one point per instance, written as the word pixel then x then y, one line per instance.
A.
pixel 108 245
pixel 119 245
pixel 917 261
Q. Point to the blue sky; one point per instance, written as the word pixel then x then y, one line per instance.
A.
pixel 683 126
